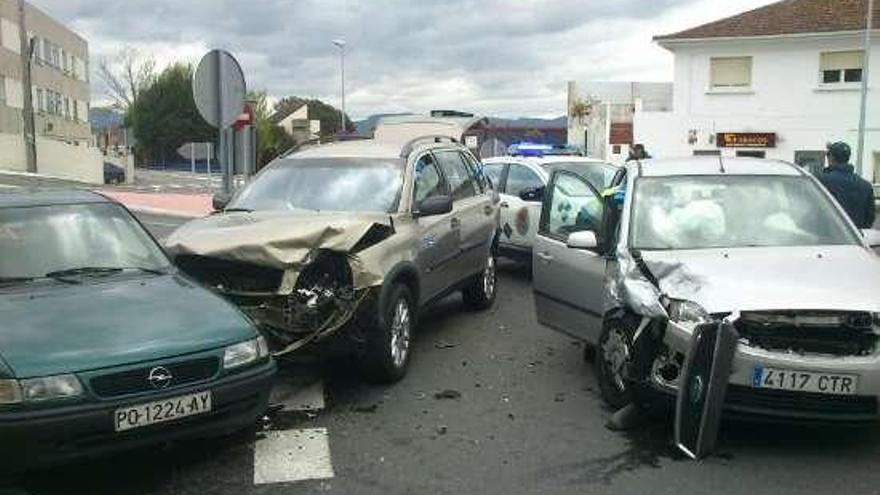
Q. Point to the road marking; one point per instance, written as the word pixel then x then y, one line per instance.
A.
pixel 294 455
pixel 296 398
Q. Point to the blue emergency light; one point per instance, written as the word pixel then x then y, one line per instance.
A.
pixel 529 149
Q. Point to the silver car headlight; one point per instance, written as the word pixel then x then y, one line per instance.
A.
pixel 683 311
pixel 10 392
pixel 50 387
pixel 245 353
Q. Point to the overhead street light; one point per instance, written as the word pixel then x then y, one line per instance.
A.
pixel 340 43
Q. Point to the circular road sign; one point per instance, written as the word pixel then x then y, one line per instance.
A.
pixel 219 88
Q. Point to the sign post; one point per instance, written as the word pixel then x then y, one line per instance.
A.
pixel 219 90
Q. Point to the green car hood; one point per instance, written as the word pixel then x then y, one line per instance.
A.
pixel 54 329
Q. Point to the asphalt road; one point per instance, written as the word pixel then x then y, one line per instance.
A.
pixel 523 416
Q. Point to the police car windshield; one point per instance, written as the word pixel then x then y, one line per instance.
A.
pixel 325 184
pixel 734 211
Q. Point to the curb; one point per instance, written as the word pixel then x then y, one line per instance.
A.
pixel 152 210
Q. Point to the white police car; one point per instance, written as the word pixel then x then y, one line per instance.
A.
pixel 520 179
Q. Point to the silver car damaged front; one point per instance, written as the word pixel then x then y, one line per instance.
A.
pixel 800 309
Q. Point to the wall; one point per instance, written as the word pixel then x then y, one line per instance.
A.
pixel 54 158
pixel 786 98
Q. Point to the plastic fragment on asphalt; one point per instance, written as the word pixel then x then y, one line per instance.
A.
pixel 293 455
pixel 365 408
pixel 448 394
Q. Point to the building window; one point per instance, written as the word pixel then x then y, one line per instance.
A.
pixel 67 107
pixel 76 110
pixel 41 106
pixel 731 72
pixel 751 154
pixel 615 149
pixel 2 89
pixel 707 152
pixel 841 67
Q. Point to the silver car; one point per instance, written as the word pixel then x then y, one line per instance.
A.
pixel 675 244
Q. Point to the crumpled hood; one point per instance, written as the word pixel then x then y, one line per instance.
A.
pixel 276 239
pixel 798 278
pixel 283 240
pixel 65 329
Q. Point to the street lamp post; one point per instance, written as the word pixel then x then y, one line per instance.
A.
pixel 340 43
pixel 863 108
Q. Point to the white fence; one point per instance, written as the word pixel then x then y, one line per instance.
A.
pixel 54 158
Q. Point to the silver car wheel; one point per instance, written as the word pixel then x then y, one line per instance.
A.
pixel 489 278
pixel 400 333
pixel 615 353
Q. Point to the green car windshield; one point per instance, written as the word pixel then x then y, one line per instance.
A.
pixel 37 241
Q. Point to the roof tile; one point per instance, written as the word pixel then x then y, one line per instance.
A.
pixel 786 17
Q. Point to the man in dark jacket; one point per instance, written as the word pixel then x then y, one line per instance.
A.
pixel 855 194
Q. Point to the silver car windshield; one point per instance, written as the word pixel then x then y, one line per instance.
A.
pixel 698 212
pixel 325 184
pixel 36 241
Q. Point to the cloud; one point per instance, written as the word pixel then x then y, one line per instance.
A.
pixel 501 57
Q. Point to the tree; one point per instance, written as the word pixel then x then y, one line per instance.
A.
pixel 318 110
pixel 271 138
pixel 126 75
pixel 164 115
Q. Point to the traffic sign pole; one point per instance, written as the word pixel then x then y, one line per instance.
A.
pixel 219 90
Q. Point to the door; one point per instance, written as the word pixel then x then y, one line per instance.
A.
pixel 474 212
pixel 519 218
pixel 438 242
pixel 569 283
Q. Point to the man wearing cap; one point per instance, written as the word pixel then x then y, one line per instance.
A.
pixel 855 194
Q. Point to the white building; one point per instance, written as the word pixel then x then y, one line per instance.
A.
pixel 59 95
pixel 600 114
pixel 300 126
pixel 780 82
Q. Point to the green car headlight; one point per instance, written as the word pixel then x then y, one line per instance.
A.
pixel 50 387
pixel 10 392
pixel 245 353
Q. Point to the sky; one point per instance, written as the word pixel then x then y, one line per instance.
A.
pixel 505 58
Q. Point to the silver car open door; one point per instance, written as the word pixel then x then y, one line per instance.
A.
pixel 568 270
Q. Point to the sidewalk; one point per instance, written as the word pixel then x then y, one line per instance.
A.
pixel 165 204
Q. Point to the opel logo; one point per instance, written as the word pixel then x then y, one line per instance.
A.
pixel 159 377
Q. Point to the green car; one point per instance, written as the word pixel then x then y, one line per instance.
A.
pixel 104 344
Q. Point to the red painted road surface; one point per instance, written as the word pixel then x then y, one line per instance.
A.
pixel 184 205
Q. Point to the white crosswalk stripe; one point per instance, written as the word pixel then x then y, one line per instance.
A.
pixel 294 455
pixel 287 456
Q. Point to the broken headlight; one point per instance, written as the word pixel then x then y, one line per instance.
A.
pixel 245 353
pixel 683 311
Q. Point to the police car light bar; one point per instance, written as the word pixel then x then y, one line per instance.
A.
pixel 529 149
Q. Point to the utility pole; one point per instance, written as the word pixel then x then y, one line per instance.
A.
pixel 26 48
pixel 863 109
pixel 340 43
